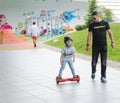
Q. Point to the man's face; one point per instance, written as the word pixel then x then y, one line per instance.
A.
pixel 95 18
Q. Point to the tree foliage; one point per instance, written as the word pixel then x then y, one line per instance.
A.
pixel 107 14
pixel 92 7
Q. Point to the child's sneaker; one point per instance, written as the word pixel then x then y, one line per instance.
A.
pixel 93 75
pixel 59 77
pixel 75 76
pixel 103 80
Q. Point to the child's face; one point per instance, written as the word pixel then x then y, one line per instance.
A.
pixel 69 43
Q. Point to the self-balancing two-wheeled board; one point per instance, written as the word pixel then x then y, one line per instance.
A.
pixel 77 78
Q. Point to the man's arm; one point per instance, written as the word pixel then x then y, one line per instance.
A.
pixel 88 41
pixel 111 38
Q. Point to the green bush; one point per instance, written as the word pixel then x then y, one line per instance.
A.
pixel 80 27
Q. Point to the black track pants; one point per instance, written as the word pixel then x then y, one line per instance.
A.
pixel 102 50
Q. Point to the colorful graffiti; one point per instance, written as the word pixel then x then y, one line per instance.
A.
pixel 68 15
pixel 50 21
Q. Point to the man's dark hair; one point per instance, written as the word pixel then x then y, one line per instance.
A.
pixel 95 13
pixel 33 23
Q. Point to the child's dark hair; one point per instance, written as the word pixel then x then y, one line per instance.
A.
pixel 66 39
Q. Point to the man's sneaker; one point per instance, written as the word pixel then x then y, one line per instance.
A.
pixel 93 75
pixel 103 80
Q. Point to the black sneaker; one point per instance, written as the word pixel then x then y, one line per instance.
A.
pixel 103 80
pixel 35 45
pixel 93 75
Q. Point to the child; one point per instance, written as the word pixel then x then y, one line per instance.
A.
pixel 34 31
pixel 67 56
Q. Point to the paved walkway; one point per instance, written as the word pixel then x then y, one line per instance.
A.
pixel 28 76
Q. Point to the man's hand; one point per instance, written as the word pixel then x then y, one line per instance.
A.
pixel 111 38
pixel 88 41
pixel 87 47
pixel 112 44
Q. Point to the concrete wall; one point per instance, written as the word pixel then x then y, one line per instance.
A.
pixel 14 9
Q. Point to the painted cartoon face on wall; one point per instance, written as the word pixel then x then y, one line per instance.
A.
pixel 3 22
pixel 2 19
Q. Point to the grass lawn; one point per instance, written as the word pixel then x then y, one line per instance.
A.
pixel 79 41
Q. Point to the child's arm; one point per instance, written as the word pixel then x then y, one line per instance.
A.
pixel 74 57
pixel 61 57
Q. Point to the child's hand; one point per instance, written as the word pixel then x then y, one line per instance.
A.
pixel 73 58
pixel 73 61
pixel 61 59
pixel 60 62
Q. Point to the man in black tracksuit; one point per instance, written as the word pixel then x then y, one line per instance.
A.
pixel 97 30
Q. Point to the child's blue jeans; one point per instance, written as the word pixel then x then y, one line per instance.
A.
pixel 70 63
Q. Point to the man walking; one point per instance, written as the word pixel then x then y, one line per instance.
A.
pixel 34 31
pixel 97 31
